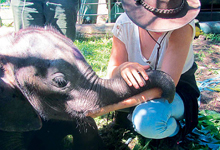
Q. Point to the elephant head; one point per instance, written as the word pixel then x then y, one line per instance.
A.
pixel 44 76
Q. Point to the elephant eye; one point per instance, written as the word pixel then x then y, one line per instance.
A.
pixel 60 81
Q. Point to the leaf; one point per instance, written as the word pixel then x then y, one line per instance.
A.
pixel 205 140
pixel 206 135
pixel 215 88
pixel 210 114
pixel 138 147
pixel 147 143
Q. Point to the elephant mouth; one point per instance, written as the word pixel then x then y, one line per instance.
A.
pixel 91 113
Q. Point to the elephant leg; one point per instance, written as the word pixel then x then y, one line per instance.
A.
pixel 12 141
pixel 54 133
pixel 88 137
pixel 52 136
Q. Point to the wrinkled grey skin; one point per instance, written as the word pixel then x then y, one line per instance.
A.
pixel 46 88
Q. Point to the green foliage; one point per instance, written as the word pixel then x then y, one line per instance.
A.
pixel 67 142
pixel 207 132
pixel 97 53
pixel 213 37
pixel 209 121
pixel 199 56
pixel 3 1
pixel 216 88
pixel 143 147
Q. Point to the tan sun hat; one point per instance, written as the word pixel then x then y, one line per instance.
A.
pixel 161 15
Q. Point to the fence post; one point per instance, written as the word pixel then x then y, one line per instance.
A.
pixel 109 11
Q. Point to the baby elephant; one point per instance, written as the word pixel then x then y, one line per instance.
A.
pixel 47 87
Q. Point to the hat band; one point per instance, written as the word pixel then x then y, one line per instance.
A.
pixel 161 11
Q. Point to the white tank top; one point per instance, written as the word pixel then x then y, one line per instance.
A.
pixel 126 31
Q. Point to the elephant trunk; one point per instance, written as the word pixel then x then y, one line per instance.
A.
pixel 104 92
pixel 112 91
pixel 157 79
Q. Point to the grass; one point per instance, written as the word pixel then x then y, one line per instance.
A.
pixel 213 37
pixel 206 136
pixel 199 56
pixel 96 52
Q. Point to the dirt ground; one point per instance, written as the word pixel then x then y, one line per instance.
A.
pixel 207 56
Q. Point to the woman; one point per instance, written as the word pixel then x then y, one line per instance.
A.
pixel 156 34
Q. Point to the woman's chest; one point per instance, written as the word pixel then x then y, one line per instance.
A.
pixel 147 45
pixel 148 42
pixel 146 49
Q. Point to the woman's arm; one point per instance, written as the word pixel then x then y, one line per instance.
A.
pixel 177 51
pixel 118 56
pixel 118 64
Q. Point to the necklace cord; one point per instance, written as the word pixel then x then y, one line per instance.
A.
pixel 158 49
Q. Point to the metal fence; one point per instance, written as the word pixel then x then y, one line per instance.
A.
pixel 87 14
pixel 88 10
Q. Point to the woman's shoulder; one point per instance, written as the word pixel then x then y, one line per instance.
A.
pixel 192 23
pixel 184 29
pixel 123 19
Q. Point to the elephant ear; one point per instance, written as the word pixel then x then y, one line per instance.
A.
pixel 16 113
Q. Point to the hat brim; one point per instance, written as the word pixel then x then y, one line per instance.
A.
pixel 161 23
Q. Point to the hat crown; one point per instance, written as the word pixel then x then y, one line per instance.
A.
pixel 164 4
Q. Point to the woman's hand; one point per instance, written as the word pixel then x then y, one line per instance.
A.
pixel 134 74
